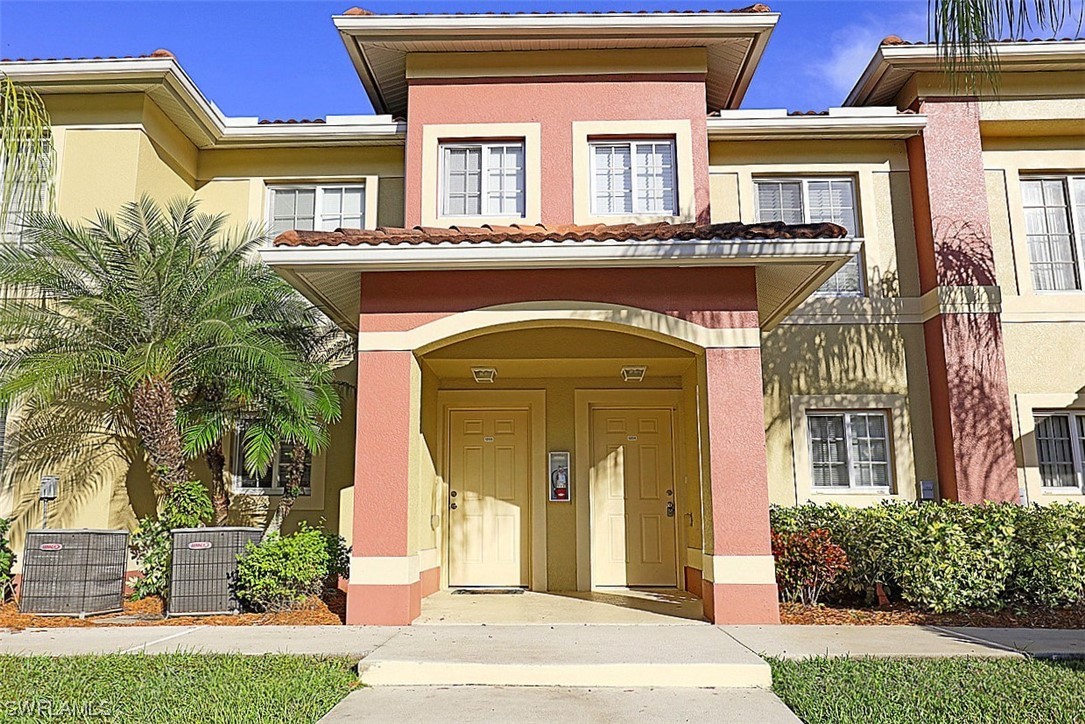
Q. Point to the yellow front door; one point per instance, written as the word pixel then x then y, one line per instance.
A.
pixel 632 498
pixel 488 517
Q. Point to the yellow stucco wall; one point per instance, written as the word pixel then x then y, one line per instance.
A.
pixel 1044 331
pixel 111 149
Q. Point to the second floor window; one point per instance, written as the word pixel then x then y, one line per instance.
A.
pixel 1055 225
pixel 482 179
pixel 814 201
pixel 1060 448
pixel 850 449
pixel 633 177
pixel 317 208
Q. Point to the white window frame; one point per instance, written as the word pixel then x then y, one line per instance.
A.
pixel 318 200
pixel 484 181
pixel 237 471
pixel 1077 235
pixel 1077 449
pixel 634 182
pixel 852 486
pixel 804 186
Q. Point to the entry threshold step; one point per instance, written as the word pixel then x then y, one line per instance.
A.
pixel 564 655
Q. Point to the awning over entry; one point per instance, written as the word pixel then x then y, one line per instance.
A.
pixel 791 260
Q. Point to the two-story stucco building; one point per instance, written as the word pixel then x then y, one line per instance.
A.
pixel 586 359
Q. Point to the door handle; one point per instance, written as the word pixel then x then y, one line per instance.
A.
pixel 670 509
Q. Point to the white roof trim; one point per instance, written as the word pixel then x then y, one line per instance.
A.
pixel 611 253
pixel 358 30
pixel 775 123
pixel 218 129
pixel 925 57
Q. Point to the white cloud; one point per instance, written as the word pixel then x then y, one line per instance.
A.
pixel 853 45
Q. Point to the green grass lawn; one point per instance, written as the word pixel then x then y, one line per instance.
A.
pixel 932 691
pixel 173 688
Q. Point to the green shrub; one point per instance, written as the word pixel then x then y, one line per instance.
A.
pixel 186 506
pixel 806 563
pixel 282 571
pixel 951 557
pixel 7 561
pixel 1049 556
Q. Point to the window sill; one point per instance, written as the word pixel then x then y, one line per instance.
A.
pixel 1062 491
pixel 851 491
pixel 478 221
pixel 268 492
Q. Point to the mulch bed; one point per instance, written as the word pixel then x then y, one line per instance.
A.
pixel 902 615
pixel 316 611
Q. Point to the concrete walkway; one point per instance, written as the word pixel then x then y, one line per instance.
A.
pixel 545 705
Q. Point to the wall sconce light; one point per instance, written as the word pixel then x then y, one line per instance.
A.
pixel 484 375
pixel 634 373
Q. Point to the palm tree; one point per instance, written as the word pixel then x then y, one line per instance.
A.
pixel 274 425
pixel 964 30
pixel 143 307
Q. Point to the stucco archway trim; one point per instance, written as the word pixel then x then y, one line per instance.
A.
pixel 630 320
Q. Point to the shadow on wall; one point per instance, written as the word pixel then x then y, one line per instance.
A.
pixel 92 454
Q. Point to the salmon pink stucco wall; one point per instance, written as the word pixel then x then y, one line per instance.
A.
pixel 717 297
pixel 556 103
pixel 966 360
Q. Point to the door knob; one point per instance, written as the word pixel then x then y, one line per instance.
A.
pixel 670 509
pixel 453 506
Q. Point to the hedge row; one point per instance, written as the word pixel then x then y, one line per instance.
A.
pixel 951 557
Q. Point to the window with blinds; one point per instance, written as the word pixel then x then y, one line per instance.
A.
pixel 1055 227
pixel 23 199
pixel 319 208
pixel 270 482
pixel 1060 449
pixel 482 179
pixel 850 450
pixel 812 201
pixel 633 177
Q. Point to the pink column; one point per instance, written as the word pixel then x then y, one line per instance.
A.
pixel 384 588
pixel 966 364
pixel 743 585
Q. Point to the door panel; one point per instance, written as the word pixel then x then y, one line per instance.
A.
pixel 632 482
pixel 488 534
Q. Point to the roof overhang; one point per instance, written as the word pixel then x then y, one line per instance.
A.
pixel 379 44
pixel 894 65
pixel 171 89
pixel 840 123
pixel 788 270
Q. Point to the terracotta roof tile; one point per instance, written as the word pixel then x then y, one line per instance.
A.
pixel 160 53
pixel 277 121
pixel 897 40
pixel 520 234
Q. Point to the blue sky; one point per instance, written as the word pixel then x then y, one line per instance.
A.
pixel 284 59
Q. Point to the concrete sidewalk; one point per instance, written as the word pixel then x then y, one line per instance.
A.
pixel 800 642
pixel 361 641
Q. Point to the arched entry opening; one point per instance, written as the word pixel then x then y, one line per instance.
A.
pixel 565 457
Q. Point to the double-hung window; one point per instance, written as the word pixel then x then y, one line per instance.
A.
pixel 316 208
pixel 813 201
pixel 635 177
pixel 850 450
pixel 1060 448
pixel 1055 226
pixel 483 179
pixel 23 197
pixel 272 480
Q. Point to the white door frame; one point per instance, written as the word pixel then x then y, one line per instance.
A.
pixel 588 400
pixel 534 402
